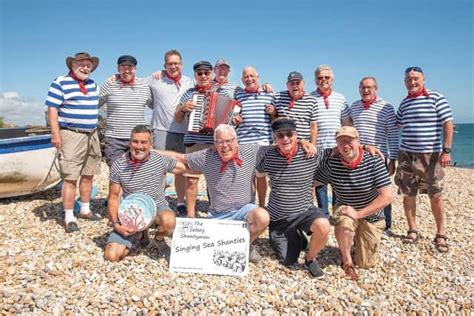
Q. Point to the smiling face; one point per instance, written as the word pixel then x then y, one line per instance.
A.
pixel 173 65
pixel 286 140
pixel 324 79
pixel 127 72
pixel 226 144
pixel 140 145
pixel 250 79
pixel 221 73
pixel 295 88
pixel 414 81
pixel 82 68
pixel 368 89
pixel 348 147
pixel 203 77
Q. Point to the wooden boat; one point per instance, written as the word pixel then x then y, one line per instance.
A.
pixel 28 161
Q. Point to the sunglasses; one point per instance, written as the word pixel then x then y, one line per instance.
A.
pixel 324 78
pixel 205 73
pixel 281 135
pixel 416 69
pixel 221 143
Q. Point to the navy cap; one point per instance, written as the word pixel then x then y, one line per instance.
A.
pixel 127 60
pixel 294 75
pixel 202 65
pixel 283 124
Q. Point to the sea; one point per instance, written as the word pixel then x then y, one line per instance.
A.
pixel 463 146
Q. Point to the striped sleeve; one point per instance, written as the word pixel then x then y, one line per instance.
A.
pixel 197 160
pixel 392 132
pixel 55 95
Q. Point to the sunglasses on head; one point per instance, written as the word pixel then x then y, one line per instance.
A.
pixel 416 69
pixel 282 134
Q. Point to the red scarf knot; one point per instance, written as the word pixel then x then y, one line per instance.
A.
pixel 82 83
pixel 289 156
pixel 124 83
pixel 417 94
pixel 367 104
pixel 225 164
pixel 355 163
pixel 325 96
pixel 135 163
pixel 292 100
pixel 176 80
pixel 203 89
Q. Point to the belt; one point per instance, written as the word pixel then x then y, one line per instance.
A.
pixel 80 130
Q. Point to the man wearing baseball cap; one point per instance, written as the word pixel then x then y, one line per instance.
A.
pixel 126 98
pixel 73 112
pixel 363 189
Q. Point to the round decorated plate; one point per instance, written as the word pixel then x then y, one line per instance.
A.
pixel 137 211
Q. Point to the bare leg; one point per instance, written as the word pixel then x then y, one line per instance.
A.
pixel 85 188
pixel 115 252
pixel 319 236
pixel 261 190
pixel 165 224
pixel 191 195
pixel 258 220
pixel 345 239
pixel 69 193
pixel 409 204
pixel 180 187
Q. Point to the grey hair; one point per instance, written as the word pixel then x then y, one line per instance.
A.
pixel 250 68
pixel 142 128
pixel 221 128
pixel 323 67
pixel 368 77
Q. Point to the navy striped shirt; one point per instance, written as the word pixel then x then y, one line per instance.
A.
pixel 304 112
pixel 377 126
pixel 125 106
pixel 421 120
pixel 146 177
pixel 329 119
pixel 256 123
pixel 232 188
pixel 291 185
pixel 75 110
pixel 356 187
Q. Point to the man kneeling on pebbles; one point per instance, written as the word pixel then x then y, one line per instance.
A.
pixel 140 171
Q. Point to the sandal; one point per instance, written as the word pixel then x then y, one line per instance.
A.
pixel 350 271
pixel 411 240
pixel 441 246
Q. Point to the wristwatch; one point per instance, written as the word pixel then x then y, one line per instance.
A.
pixel 446 150
pixel 115 222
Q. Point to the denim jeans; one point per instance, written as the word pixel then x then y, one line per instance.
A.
pixel 322 198
pixel 387 211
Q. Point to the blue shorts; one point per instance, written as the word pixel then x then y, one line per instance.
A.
pixel 131 240
pixel 234 214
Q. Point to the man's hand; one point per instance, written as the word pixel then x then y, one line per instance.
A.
pixel 122 230
pixel 237 119
pixel 188 106
pixel 444 159
pixel 56 140
pixel 391 167
pixel 308 148
pixel 112 79
pixel 349 211
pixel 270 109
pixel 267 87
pixel 157 75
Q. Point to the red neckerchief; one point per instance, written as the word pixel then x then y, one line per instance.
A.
pixel 225 164
pixel 367 104
pixel 292 100
pixel 203 89
pixel 220 83
pixel 82 83
pixel 124 83
pixel 256 90
pixel 325 95
pixel 289 156
pixel 353 165
pixel 136 163
pixel 417 94
pixel 176 80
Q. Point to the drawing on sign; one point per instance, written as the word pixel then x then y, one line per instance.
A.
pixel 232 260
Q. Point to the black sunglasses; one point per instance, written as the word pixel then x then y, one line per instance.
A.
pixel 282 134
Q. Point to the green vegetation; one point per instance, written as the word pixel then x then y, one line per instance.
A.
pixel 1 121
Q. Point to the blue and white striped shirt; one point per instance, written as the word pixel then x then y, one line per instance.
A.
pixel 377 126
pixel 421 120
pixel 329 119
pixel 256 123
pixel 75 110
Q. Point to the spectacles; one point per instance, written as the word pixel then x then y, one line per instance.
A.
pixel 205 73
pixel 221 143
pixel 416 69
pixel 324 78
pixel 173 64
pixel 281 135
pixel 345 140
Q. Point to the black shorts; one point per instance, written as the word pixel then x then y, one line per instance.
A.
pixel 286 235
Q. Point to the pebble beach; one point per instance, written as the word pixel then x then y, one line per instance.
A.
pixel 47 271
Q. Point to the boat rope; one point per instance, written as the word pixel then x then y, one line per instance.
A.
pixel 53 164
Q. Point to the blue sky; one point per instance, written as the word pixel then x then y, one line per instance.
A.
pixel 356 38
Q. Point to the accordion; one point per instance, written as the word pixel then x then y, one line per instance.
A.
pixel 211 110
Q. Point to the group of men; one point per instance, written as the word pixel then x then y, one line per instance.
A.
pixel 313 141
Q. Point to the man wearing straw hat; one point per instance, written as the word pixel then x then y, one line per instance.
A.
pixel 73 112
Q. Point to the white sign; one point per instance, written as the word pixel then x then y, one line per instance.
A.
pixel 210 246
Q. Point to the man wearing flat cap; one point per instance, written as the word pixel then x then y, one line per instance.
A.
pixel 290 204
pixel 73 112
pixel 424 115
pixel 126 98
pixel 363 189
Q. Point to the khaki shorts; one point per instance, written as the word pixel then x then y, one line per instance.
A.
pixel 417 172
pixel 192 149
pixel 79 155
pixel 366 240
